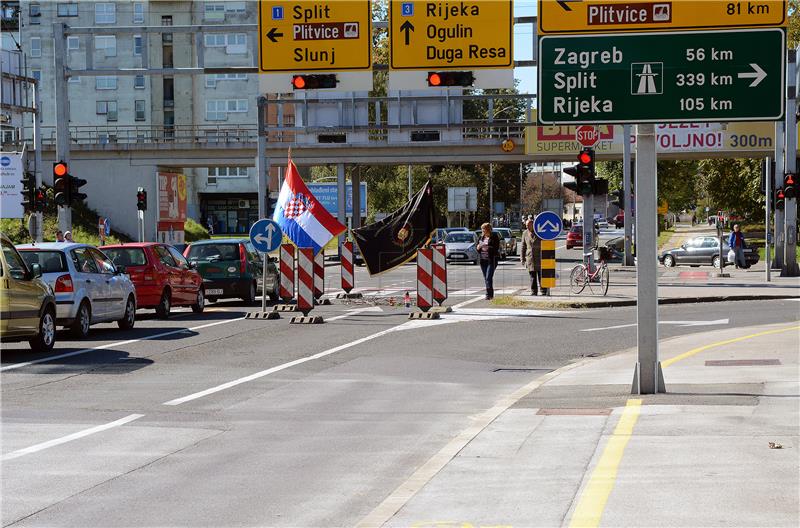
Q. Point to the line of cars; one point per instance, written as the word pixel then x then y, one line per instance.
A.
pixel 73 285
pixel 460 243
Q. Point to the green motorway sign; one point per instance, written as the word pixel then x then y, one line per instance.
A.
pixel 714 76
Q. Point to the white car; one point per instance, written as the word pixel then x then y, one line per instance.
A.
pixel 89 288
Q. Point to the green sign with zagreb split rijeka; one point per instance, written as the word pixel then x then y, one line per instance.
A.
pixel 716 76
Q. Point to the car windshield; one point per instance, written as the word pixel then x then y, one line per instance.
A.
pixel 211 252
pixel 126 256
pixel 460 237
pixel 576 229
pixel 505 233
pixel 48 261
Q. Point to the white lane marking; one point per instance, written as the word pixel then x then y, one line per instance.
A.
pixel 69 438
pixel 354 312
pixel 115 344
pixel 676 323
pixel 465 303
pixel 278 368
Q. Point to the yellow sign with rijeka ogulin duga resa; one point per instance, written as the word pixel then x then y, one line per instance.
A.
pixel 303 35
pixel 450 34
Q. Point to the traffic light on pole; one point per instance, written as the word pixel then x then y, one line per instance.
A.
pixel 75 194
pixel 314 81
pixel 450 78
pixel 40 202
pixel 61 183
pixel 28 191
pixel 780 199
pixel 790 185
pixel 141 199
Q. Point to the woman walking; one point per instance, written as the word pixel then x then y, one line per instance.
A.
pixel 489 250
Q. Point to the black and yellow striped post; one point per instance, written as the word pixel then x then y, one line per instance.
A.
pixel 548 264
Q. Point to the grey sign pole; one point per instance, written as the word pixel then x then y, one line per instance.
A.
pixel 780 241
pixel 37 154
pixel 647 378
pixel 341 193
pixel 491 194
pixel 768 209
pixel 62 113
pixel 261 165
pixel 588 231
pixel 626 188
pixel 355 181
pixel 790 268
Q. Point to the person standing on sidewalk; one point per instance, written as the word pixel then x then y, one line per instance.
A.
pixel 736 243
pixel 531 257
pixel 489 251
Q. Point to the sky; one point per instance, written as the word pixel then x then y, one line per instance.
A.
pixel 523 45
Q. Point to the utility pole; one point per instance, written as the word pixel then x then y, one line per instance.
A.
pixel 627 213
pixel 491 194
pixel 768 210
pixel 62 114
pixel 780 241
pixel 37 154
pixel 262 163
pixel 790 268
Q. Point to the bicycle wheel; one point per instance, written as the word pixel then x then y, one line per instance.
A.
pixel 577 279
pixel 604 280
pixel 598 284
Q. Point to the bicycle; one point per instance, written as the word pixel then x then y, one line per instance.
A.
pixel 580 277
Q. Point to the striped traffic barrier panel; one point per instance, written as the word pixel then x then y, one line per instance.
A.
pixel 425 279
pixel 439 273
pixel 348 276
pixel 548 265
pixel 319 277
pixel 305 286
pixel 287 272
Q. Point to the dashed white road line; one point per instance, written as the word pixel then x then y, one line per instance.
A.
pixel 69 438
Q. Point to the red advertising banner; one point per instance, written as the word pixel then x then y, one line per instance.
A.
pixel 172 198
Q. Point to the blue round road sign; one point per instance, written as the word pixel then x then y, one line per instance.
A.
pixel 266 235
pixel 547 225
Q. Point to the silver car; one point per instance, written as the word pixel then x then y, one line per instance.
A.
pixel 89 288
pixel 460 247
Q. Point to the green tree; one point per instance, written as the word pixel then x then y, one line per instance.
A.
pixel 733 185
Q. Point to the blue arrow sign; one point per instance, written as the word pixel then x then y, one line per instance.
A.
pixel 266 235
pixel 547 225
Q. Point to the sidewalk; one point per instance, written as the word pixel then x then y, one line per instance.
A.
pixel 580 450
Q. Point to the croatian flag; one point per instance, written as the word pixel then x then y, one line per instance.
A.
pixel 304 220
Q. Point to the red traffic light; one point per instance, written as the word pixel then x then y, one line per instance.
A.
pixel 451 78
pixel 585 158
pixel 60 168
pixel 298 82
pixel 315 81
pixel 435 79
pixel 781 196
pixel 789 179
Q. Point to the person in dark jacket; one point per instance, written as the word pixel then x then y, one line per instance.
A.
pixel 736 243
pixel 531 257
pixel 489 252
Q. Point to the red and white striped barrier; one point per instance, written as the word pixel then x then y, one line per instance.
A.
pixel 319 274
pixel 305 279
pixel 348 279
pixel 287 272
pixel 425 279
pixel 439 273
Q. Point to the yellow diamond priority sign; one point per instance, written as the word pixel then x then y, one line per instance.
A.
pixel 302 35
pixel 450 34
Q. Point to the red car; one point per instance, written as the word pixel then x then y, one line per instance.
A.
pixel 575 236
pixel 162 276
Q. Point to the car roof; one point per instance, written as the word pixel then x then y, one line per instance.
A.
pixel 54 246
pixel 220 241
pixel 133 245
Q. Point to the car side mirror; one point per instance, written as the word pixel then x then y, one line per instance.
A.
pixel 36 271
pixel 121 270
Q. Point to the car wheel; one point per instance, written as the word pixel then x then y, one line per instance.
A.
pixel 715 261
pixel 200 305
pixel 251 294
pixel 83 320
pixel 164 305
pixel 46 338
pixel 129 319
pixel 669 261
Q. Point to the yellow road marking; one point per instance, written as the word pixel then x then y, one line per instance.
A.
pixel 692 352
pixel 593 500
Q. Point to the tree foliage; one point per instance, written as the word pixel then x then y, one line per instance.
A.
pixel 733 185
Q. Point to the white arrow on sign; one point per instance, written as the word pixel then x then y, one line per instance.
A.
pixel 757 75
pixel 547 225
pixel 261 239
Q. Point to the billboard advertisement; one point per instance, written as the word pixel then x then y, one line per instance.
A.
pixel 172 199
pixel 327 195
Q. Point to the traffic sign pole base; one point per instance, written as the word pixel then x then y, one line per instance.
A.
pixel 424 315
pixel 441 309
pixel 306 319
pixel 723 275
pixel 263 315
pixel 349 295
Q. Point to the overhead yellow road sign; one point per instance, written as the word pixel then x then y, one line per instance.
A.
pixel 611 16
pixel 303 35
pixel 450 34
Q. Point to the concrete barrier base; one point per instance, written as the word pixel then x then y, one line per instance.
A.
pixel 284 308
pixel 424 315
pixel 442 309
pixel 306 319
pixel 263 315
pixel 349 295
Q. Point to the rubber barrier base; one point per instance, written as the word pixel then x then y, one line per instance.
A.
pixel 306 319
pixel 322 302
pixel 263 315
pixel 442 309
pixel 349 295
pixel 284 308
pixel 424 315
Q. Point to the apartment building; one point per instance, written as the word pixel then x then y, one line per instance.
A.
pixel 156 107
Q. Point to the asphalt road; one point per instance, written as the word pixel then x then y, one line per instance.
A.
pixel 213 420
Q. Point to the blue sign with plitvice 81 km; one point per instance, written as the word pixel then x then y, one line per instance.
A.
pixel 266 235
pixel 547 225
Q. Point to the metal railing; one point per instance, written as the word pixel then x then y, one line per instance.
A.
pixel 155 134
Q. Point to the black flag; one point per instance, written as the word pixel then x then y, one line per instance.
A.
pixel 395 239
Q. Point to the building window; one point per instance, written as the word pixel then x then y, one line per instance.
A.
pixel 36 47
pixel 107 43
pixel 211 80
pixel 166 20
pixel 35 13
pixel 37 74
pixel 237 105
pixel 214 11
pixel 235 7
pixel 108 109
pixel 139 108
pixel 105 83
pixel 138 82
pixel 68 9
pixel 138 13
pixel 73 43
pixel 219 40
pixel 227 172
pixel 74 79
pixel 137 45
pixel 216 110
pixel 105 13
